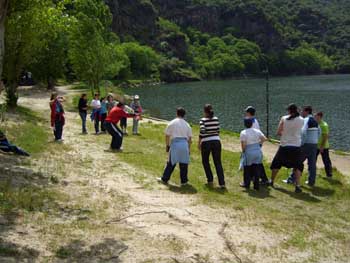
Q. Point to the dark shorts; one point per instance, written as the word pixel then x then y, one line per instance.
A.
pixel 288 156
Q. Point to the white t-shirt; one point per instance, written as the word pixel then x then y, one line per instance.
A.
pixel 96 104
pixel 256 124
pixel 291 134
pixel 251 136
pixel 179 128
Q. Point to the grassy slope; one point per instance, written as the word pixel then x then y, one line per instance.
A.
pixel 316 221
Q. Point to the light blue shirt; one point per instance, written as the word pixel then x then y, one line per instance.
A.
pixel 310 135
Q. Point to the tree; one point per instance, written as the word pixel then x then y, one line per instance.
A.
pixel 3 13
pixel 92 48
pixel 49 62
pixel 24 25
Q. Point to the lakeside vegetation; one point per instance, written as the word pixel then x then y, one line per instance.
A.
pixel 81 40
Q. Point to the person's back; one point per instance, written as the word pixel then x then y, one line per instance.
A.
pixel 311 131
pixel 251 136
pixel 292 129
pixel 179 128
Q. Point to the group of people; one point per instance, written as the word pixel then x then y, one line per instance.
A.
pixel 302 137
pixel 102 107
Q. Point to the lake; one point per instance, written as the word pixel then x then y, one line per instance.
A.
pixel 328 93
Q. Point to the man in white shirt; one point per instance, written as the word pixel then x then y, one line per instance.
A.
pixel 178 138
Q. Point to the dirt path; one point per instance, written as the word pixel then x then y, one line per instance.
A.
pixel 134 223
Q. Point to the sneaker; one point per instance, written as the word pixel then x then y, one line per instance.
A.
pixel 210 184
pixel 243 185
pixel 298 189
pixel 184 184
pixel 287 181
pixel 222 187
pixel 308 183
pixel 160 180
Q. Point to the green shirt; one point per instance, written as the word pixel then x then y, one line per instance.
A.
pixel 324 132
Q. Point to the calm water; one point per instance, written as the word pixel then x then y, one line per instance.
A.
pixel 330 94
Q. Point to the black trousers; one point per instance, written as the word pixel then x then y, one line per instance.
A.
pixel 58 129
pixel 169 169
pixel 252 173
pixel 97 123
pixel 123 123
pixel 214 148
pixel 117 135
pixel 326 161
pixel 103 118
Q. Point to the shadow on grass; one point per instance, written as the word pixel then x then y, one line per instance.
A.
pixel 322 192
pixel 186 189
pixel 18 253
pixel 264 192
pixel 332 181
pixel 300 196
pixel 216 190
pixel 108 250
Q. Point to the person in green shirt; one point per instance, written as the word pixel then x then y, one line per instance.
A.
pixel 323 144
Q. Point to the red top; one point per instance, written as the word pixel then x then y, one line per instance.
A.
pixel 116 114
pixel 57 112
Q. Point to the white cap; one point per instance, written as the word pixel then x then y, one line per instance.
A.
pixel 136 97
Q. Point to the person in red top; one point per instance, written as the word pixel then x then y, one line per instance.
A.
pixel 114 116
pixel 57 116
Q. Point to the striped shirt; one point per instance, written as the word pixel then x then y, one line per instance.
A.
pixel 209 129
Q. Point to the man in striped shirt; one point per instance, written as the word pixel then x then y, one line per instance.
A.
pixel 209 143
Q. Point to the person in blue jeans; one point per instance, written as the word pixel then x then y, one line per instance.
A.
pixel 103 114
pixel 310 137
pixel 83 106
pixel 7 147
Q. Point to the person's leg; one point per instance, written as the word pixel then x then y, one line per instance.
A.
pixel 97 123
pixel 134 126
pixel 169 168
pixel 246 176
pixel 183 173
pixel 216 151
pixel 59 130
pixel 103 118
pixel 262 173
pixel 18 150
pixel 205 152
pixel 327 163
pixel 112 130
pixel 84 122
pixel 297 174
pixel 256 175
pixel 118 138
pixel 274 174
pixel 311 158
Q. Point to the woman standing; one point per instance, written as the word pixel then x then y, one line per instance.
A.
pixel 251 142
pixel 209 143
pixel 289 153
pixel 95 115
pixel 57 116
pixel 82 106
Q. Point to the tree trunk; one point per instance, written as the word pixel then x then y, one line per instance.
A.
pixel 50 83
pixel 3 12
pixel 11 94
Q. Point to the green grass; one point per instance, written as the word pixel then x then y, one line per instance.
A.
pixel 317 219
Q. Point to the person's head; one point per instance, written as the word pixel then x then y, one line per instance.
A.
pixel 120 105
pixel 136 97
pixel 84 96
pixel 103 99
pixel 180 112
pixel 97 96
pixel 307 110
pixel 53 96
pixel 208 111
pixel 110 98
pixel 319 116
pixel 248 123
pixel 250 111
pixel 293 111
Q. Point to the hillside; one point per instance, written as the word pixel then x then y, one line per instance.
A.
pixel 276 26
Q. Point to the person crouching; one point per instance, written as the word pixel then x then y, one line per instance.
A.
pixel 113 118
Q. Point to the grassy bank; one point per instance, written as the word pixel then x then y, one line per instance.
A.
pixel 316 221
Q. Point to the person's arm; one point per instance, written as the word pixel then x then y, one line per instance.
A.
pixel 280 128
pixel 263 139
pixel 201 133
pixel 167 143
pixel 304 130
pixel 189 140
pixel 243 146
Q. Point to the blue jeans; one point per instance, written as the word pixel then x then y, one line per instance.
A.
pixel 135 126
pixel 83 120
pixel 309 153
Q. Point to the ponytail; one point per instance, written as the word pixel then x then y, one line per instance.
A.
pixel 208 110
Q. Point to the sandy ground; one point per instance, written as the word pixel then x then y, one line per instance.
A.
pixel 160 225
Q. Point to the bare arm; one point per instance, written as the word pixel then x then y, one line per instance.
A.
pixel 167 143
pixel 263 139
pixel 280 128
pixel 243 146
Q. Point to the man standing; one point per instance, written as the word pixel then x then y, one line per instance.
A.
pixel 178 138
pixel 96 111
pixel 323 144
